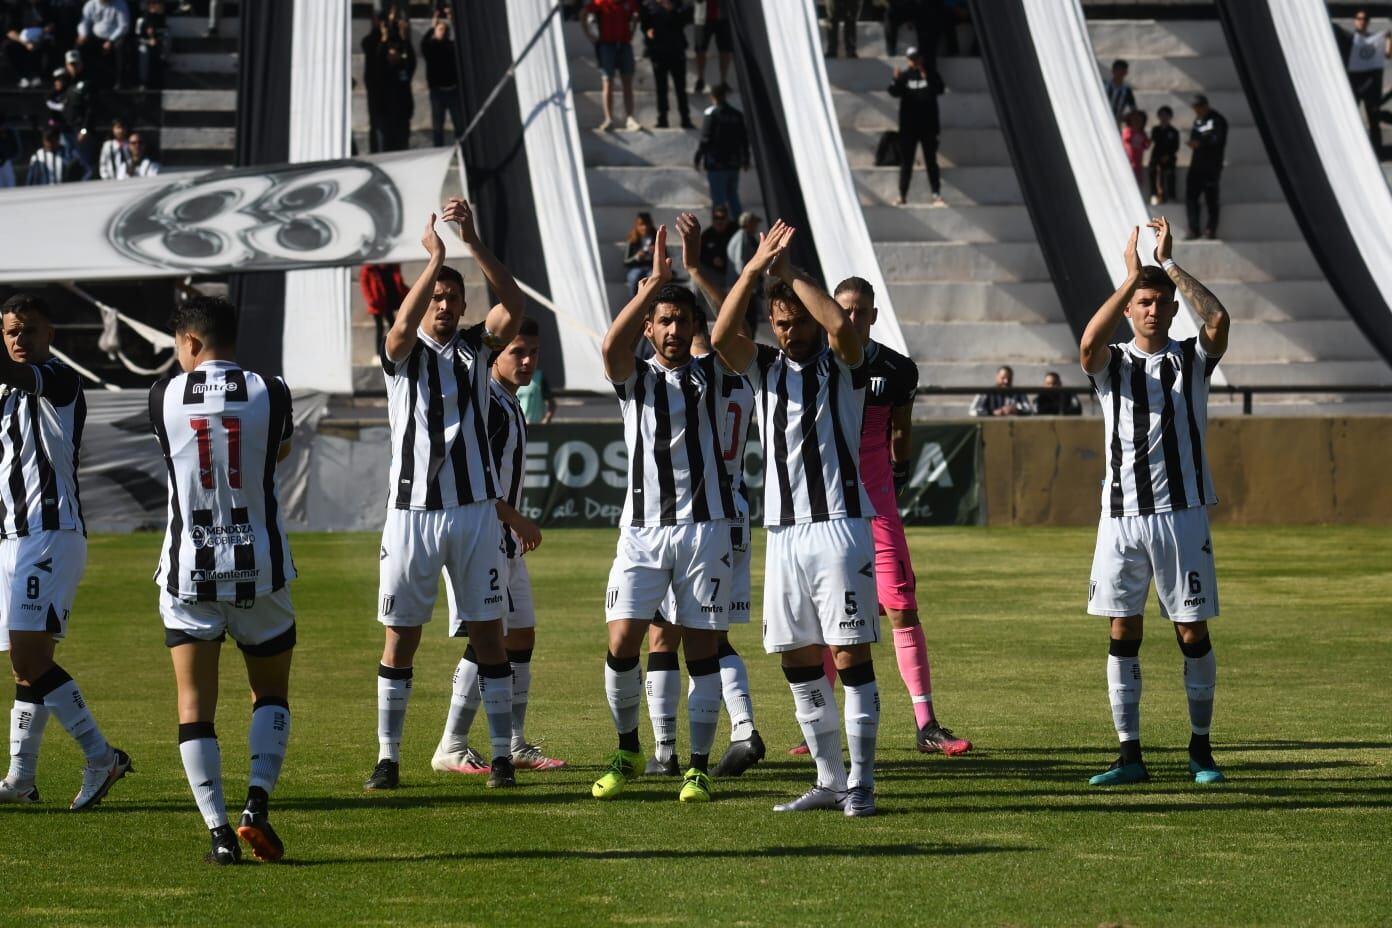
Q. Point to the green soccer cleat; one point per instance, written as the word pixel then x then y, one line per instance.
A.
pixel 696 787
pixel 623 766
pixel 1119 774
pixel 1205 774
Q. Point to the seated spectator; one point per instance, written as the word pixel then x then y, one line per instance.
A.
pixel 101 35
pixel 115 153
pixel 714 241
pixel 151 30
pixel 1002 403
pixel 1051 402
pixel 48 165
pixel 140 164
pixel 29 41
pixel 639 255
pixel 382 290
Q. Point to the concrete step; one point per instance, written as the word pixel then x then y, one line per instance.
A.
pixel 613 222
pixel 1231 103
pixel 919 222
pixel 188 27
pixel 963 147
pixel 990 344
pixel 666 187
pixel 1029 374
pixel 1171 38
pixel 1302 341
pixel 1187 75
pixel 1286 300
pixel 199 138
pixel 199 100
pixel 1250 262
pixel 1240 222
pixel 911 262
pixel 203 62
pixel 1305 374
pixel 984 301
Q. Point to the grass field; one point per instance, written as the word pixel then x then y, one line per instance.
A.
pixel 1009 834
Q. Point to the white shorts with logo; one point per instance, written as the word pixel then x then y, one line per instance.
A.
pixel 269 616
pixel 465 542
pixel 694 560
pixel 819 585
pixel 1173 547
pixel 521 610
pixel 39 574
pixel 741 585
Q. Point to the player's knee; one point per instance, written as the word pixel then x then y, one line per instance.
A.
pixel 902 618
pixel 1127 628
pixel 520 639
pixel 846 656
pixel 1193 638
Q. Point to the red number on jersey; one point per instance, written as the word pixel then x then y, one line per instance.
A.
pixel 733 416
pixel 203 430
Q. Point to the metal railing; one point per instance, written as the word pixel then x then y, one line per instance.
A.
pixel 1229 390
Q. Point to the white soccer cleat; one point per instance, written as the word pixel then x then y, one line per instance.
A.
pixel 97 781
pixel 818 797
pixel 18 792
pixel 465 761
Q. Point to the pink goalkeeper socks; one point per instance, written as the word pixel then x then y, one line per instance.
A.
pixel 911 651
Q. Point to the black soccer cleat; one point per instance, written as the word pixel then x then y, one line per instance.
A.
pixel 660 768
pixel 740 756
pixel 933 737
pixel 501 773
pixel 225 850
pixel 386 775
pixel 255 829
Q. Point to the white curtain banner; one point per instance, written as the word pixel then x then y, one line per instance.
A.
pixel 833 206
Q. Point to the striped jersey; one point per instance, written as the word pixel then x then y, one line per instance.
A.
pixel 507 440
pixel 737 405
pixel 40 439
pixel 221 429
pixel 809 421
pixel 1155 409
pixel 437 400
pixel 673 427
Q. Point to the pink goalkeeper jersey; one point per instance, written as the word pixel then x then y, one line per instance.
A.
pixel 893 382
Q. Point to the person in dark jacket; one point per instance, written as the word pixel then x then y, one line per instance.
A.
pixel 442 76
pixel 664 23
pixel 1164 155
pixel 1208 139
pixel 843 13
pixel 925 16
pixel 374 79
pixel 724 149
pixel 917 89
pixel 715 239
pixel 398 100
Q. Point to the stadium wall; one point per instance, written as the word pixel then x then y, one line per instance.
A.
pixel 1267 470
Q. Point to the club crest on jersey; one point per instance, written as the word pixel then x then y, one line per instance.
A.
pixel 388 604
pixel 878 385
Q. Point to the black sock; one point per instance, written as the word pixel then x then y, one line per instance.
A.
pixel 1200 749
pixel 1131 752
pixel 701 762
pixel 628 740
pixel 257 800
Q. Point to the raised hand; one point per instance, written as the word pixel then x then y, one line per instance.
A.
pixel 689 228
pixel 434 245
pixel 1133 257
pixel 1164 241
pixel 458 211
pixel 662 265
pixel 772 245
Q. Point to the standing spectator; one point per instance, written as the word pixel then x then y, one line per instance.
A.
pixel 214 17
pixel 151 31
pixel 1208 140
pixel 609 25
pixel 926 17
pixel 664 23
pixel 1120 96
pixel 72 102
pixel 724 149
pixel 845 13
pixel 398 100
pixel 917 89
pixel 1164 155
pixel 140 165
pixel 1002 403
pixel 101 35
pixel 48 165
pixel 639 254
pixel 442 75
pixel 1053 402
pixel 714 242
pixel 537 400
pixel 28 40
pixel 374 79
pixel 114 160
pixel 1135 141
pixel 712 23
pixel 1365 56
pixel 382 290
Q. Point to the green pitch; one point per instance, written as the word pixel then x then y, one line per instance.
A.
pixel 1009 834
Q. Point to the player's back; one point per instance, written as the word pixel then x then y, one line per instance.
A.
pixel 221 429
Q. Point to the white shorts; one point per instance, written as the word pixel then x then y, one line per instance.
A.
pixel 270 619
pixel 741 585
pixel 465 542
pixel 39 574
pixel 819 585
pixel 521 611
pixel 695 560
pixel 1173 547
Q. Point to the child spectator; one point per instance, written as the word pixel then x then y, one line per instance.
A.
pixel 48 165
pixel 115 152
pixel 1164 156
pixel 1133 136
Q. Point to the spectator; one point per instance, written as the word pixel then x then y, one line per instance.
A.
pixel 1054 402
pixel 639 256
pixel 214 17
pixel 72 103
pixel 151 30
pixel 374 79
pixel 139 165
pixel 537 400
pixel 609 25
pixel 917 89
pixel 712 23
pixel 28 40
pixel 1365 56
pixel 714 242
pixel 398 99
pixel 1002 403
pixel 724 149
pixel 1164 156
pixel 382 290
pixel 926 17
pixel 1120 96
pixel 1135 141
pixel 101 35
pixel 48 165
pixel 1208 139
pixel 442 76
pixel 845 13
pixel 664 23
pixel 9 150
pixel 114 160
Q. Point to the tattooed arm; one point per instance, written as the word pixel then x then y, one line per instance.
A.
pixel 1214 334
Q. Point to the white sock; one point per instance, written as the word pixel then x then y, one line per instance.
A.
pixel 1124 691
pixel 521 689
pixel 203 767
pixel 624 690
pixel 1200 680
pixel 703 703
pixel 465 700
pixel 815 703
pixel 27 723
pixel 270 733
pixel 734 687
pixel 65 701
pixel 393 693
pixel 862 726
pixel 495 685
pixel 663 685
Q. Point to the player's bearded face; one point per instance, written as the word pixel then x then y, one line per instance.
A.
pixel 1151 313
pixel 670 329
pixel 27 337
pixel 446 308
pixel 797 332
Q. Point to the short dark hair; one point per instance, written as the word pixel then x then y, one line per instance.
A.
pixel 451 275
pixel 1164 111
pixel 779 291
pixel 25 303
pixel 1008 369
pixel 675 294
pixel 211 318
pixel 529 328
pixel 720 91
pixel 51 135
pixel 1155 278
pixel 1121 63
pixel 857 285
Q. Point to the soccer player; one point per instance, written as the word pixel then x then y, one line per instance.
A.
pixel 444 489
pixel 819 574
pixel 1154 395
pixel 43 548
pixel 507 438
pixel 675 527
pixel 225 566
pixel 664 678
pixel 884 465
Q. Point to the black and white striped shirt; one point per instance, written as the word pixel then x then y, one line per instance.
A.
pixel 809 419
pixel 437 400
pixel 145 168
pixel 507 438
pixel 114 160
pixel 40 439
pixel 221 429
pixel 673 426
pixel 1155 408
pixel 737 400
pixel 46 168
